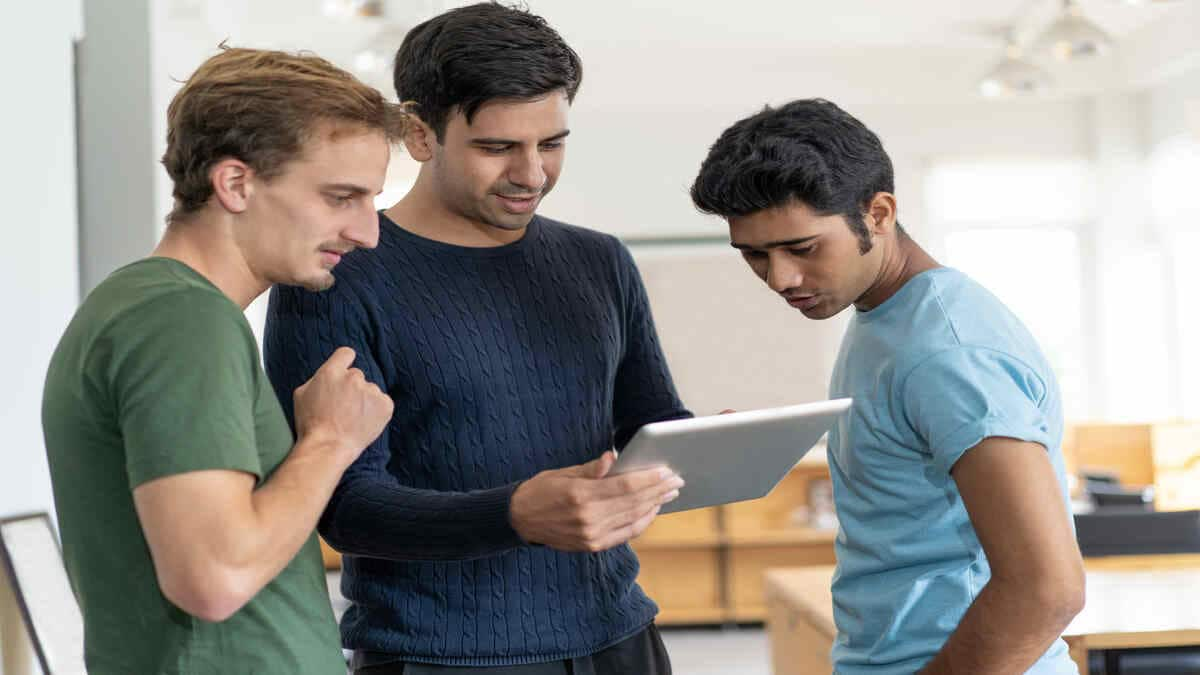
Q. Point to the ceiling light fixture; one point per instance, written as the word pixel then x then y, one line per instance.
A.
pixel 1073 36
pixel 345 9
pixel 1014 76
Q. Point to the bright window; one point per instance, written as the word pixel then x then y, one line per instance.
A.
pixel 1014 226
pixel 1036 273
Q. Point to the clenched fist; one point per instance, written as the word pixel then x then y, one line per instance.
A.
pixel 338 405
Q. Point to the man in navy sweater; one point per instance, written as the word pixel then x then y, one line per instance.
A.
pixel 482 532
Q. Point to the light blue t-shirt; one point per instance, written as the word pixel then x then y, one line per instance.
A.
pixel 933 370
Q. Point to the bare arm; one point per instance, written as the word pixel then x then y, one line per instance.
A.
pixel 1037 585
pixel 216 540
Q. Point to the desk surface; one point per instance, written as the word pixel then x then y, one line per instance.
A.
pixel 1139 608
pixel 1153 604
pixel 806 590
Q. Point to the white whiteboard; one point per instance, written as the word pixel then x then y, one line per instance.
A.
pixel 731 342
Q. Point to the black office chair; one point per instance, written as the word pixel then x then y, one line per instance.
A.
pixel 31 564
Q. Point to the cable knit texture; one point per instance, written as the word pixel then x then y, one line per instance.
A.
pixel 503 362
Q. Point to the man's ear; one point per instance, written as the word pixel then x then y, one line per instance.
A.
pixel 419 139
pixel 881 214
pixel 231 180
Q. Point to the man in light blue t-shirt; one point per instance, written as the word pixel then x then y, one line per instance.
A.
pixel 955 552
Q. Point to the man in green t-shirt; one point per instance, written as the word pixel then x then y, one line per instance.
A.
pixel 187 510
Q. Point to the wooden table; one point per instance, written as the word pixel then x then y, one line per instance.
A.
pixel 1132 603
pixel 1137 603
pixel 800 619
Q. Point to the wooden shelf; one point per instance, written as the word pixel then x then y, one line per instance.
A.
pixel 781 537
pixel 755 614
pixel 699 527
pixel 789 537
pixel 692 616
pixel 1157 561
pixel 685 582
pixel 668 543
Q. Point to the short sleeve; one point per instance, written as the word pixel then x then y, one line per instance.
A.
pixel 958 397
pixel 183 378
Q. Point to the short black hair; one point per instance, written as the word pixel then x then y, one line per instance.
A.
pixel 468 56
pixel 810 151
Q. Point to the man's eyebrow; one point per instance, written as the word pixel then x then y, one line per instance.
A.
pixel 508 141
pixel 773 244
pixel 345 187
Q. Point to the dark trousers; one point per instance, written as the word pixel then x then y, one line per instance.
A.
pixel 641 654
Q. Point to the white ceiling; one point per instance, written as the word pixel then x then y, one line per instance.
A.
pixel 714 23
pixel 928 50
pixel 818 23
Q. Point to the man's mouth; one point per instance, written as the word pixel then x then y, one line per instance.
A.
pixel 803 301
pixel 518 204
pixel 333 256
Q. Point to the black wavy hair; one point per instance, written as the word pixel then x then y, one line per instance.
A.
pixel 468 56
pixel 810 151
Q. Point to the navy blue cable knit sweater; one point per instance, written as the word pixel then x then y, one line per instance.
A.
pixel 503 362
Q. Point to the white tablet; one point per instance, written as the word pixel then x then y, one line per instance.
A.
pixel 730 458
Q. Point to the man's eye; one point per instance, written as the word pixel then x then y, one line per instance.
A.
pixel 754 255
pixel 805 250
pixel 494 149
pixel 553 145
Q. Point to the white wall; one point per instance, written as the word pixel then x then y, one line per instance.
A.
pixel 1173 108
pixel 730 341
pixel 117 153
pixel 629 167
pixel 40 269
pixel 1171 141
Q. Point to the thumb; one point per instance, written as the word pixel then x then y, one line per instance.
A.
pixel 599 467
pixel 339 361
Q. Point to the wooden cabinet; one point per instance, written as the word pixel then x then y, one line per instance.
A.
pixel 685 556
pixel 773 532
pixel 685 582
pixel 1166 456
pixel 680 556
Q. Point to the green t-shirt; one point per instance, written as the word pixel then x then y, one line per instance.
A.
pixel 159 374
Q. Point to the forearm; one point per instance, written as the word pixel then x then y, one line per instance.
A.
pixel 387 520
pixel 282 515
pixel 217 541
pixel 1008 627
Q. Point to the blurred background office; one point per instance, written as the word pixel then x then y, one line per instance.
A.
pixel 1050 149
